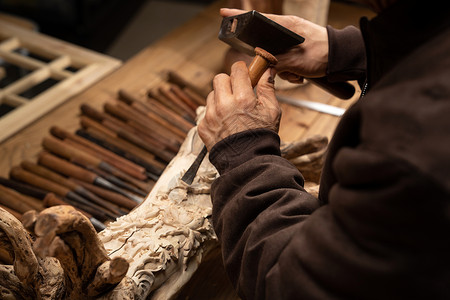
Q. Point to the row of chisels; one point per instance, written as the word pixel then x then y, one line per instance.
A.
pixel 109 165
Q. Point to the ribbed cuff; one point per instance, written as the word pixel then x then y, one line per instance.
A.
pixel 243 146
pixel 346 54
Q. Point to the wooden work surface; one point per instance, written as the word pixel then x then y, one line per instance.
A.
pixel 195 53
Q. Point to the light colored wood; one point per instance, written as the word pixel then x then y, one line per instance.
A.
pixel 90 66
pixel 19 21
pixel 194 52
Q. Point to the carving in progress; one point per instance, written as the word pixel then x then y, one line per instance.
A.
pixel 152 251
pixel 165 238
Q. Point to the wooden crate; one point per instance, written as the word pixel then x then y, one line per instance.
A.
pixel 52 69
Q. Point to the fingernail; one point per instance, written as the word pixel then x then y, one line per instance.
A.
pixel 271 78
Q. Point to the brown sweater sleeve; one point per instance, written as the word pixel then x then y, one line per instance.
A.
pixel 253 207
pixel 373 239
pixel 347 55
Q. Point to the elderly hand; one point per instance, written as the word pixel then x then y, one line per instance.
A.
pixel 308 59
pixel 234 107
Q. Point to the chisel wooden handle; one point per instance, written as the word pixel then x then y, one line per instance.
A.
pixel 93 129
pixel 64 167
pixel 194 92
pixel 169 104
pixel 178 92
pixel 53 200
pixel 121 131
pixel 56 146
pixel 29 200
pixel 30 178
pixel 169 121
pixel 154 170
pixel 152 144
pixel 12 201
pixel 61 180
pixel 118 199
pixel 46 173
pixel 259 65
pixel 102 153
pixel 60 190
pixel 177 101
pixel 168 135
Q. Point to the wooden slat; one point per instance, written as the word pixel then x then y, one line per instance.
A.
pixel 91 67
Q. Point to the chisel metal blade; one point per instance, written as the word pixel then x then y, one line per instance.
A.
pixel 321 107
pixel 104 183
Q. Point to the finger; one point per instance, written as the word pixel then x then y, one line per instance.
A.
pixel 210 103
pixel 205 134
pixel 228 12
pixel 240 82
pixel 222 90
pixel 265 89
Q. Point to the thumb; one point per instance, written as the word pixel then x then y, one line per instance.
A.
pixel 228 12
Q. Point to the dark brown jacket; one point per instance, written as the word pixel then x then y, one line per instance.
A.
pixel 381 226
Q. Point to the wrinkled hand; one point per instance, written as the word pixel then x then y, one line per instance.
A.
pixel 234 107
pixel 308 59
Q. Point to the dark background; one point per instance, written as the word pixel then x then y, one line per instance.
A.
pixel 93 24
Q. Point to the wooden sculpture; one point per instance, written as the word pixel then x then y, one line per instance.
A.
pixel 149 253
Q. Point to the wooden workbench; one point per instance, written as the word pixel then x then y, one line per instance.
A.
pixel 194 52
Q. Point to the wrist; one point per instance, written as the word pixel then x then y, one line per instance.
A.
pixel 242 147
pixel 347 57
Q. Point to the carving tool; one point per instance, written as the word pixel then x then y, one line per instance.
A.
pixel 101 152
pixel 80 157
pixel 9 199
pixel 167 94
pixel 180 94
pixel 36 204
pixel 119 129
pixel 192 91
pixel 246 31
pixel 132 182
pixel 48 199
pixel 118 182
pixel 96 131
pixel 173 106
pixel 69 169
pixel 261 61
pixel 158 112
pixel 57 178
pixel 50 186
pixel 142 127
pixel 111 196
pixel 172 122
pixel 150 170
pixel 321 107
